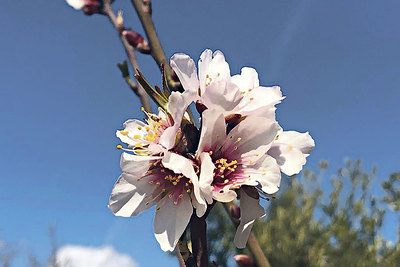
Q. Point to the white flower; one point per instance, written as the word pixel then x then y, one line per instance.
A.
pixel 77 4
pixel 216 89
pixel 169 182
pixel 290 149
pixel 230 161
pixel 159 133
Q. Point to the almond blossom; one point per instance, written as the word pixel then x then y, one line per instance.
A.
pixel 235 160
pixel 214 87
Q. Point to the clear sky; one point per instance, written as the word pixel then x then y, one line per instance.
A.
pixel 62 98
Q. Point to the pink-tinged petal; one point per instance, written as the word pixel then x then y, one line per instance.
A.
pixel 213 130
pixel 206 176
pixel 136 165
pixel 77 4
pixel 247 79
pixel 267 172
pixel 254 135
pixel 185 68
pixel 176 107
pixel 129 199
pixel 260 98
pixel 171 220
pixel 250 210
pixel 181 165
pixel 204 62
pixel 301 141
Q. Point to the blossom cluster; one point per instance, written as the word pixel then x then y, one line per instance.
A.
pixel 238 152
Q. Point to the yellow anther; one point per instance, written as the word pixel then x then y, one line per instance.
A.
pixel 175 183
pixel 226 180
pixel 251 98
pixel 158 208
pixel 147 128
pixel 210 153
pixel 180 196
pixel 250 90
pixel 119 147
pixel 136 136
pixel 218 74
pixel 142 108
pixel 217 136
pixel 239 139
pixel 207 76
pixel 235 148
pixel 277 137
pixel 151 182
pixel 176 202
pixel 170 195
pixel 149 171
pixel 147 203
pixel 230 137
pixel 139 128
pixel 243 92
pixel 158 183
pixel 138 145
pixel 124 132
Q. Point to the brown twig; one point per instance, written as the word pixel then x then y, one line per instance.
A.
pixel 130 53
pixel 252 243
pixel 157 52
pixel 198 231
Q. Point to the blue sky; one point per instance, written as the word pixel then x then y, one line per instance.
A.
pixel 62 98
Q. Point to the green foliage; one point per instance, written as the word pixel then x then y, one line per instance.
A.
pixel 311 223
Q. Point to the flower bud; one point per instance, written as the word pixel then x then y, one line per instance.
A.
pixel 120 21
pixel 243 260
pixel 234 210
pixel 137 41
pixel 91 7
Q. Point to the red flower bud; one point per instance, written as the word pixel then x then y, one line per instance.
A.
pixel 243 260
pixel 235 211
pixel 91 7
pixel 137 41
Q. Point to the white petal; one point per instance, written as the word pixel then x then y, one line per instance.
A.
pixel 254 134
pixel 171 221
pixel 77 4
pixel 289 158
pixel 301 141
pixel 225 195
pixel 176 107
pixel 213 130
pixel 136 165
pixel 128 199
pixel 267 173
pixel 204 62
pixel 185 68
pixel 212 68
pixel 247 79
pixel 132 127
pixel 260 98
pixel 222 94
pixel 250 210
pixel 206 176
pixel 181 165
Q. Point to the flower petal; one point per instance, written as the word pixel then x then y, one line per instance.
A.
pixel 250 210
pixel 260 98
pixel 212 68
pixel 206 176
pixel 77 4
pixel 136 165
pixel 301 141
pixel 267 172
pixel 225 195
pixel 213 130
pixel 180 164
pixel 185 68
pixel 247 79
pixel 170 221
pixel 254 134
pixel 290 151
pixel 128 199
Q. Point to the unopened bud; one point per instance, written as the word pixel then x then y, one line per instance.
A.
pixel 234 210
pixel 243 260
pixel 137 41
pixel 91 7
pixel 120 21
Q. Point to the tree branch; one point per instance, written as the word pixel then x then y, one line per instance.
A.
pixel 157 52
pixel 140 92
